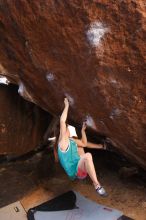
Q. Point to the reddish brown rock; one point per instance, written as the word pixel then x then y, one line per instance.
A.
pixel 90 51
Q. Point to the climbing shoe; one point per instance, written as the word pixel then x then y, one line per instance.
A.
pixel 101 191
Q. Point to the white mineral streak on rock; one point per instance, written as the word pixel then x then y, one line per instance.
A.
pixel 113 81
pixel 96 32
pixel 4 80
pixel 70 99
pixel 51 138
pixel 24 93
pixel 21 89
pixel 116 112
pixel 50 77
pixel 90 122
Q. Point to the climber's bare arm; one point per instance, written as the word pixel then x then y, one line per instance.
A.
pixel 88 145
pixel 79 142
pixel 94 146
pixel 63 118
pixel 63 139
pixel 83 141
pixel 83 132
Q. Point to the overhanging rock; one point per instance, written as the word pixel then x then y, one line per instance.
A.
pixel 90 51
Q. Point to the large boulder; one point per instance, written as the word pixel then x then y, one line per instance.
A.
pixel 90 51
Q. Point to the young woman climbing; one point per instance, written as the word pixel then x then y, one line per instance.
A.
pixel 76 163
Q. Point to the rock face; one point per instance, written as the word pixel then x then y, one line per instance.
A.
pixel 22 124
pixel 90 51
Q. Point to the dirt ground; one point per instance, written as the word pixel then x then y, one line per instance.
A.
pixel 38 179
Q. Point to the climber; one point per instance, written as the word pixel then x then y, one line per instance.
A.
pixel 76 163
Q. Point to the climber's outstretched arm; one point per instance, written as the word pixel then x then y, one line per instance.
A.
pixel 63 118
pixel 94 146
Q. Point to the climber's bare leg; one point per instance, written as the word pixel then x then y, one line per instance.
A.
pixel 86 165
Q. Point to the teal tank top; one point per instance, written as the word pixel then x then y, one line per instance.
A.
pixel 69 159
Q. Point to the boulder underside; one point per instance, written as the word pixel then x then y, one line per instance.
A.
pixel 89 51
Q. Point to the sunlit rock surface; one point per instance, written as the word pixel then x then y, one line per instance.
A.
pixel 89 51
